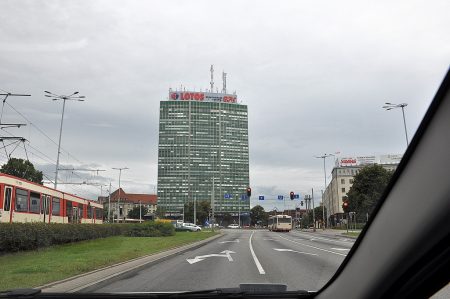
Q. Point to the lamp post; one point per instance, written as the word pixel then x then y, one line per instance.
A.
pixel 55 97
pixel 118 199
pixel 390 106
pixel 324 157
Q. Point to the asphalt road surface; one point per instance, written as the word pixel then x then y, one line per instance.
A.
pixel 303 261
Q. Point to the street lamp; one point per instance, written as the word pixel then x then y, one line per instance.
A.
pixel 118 199
pixel 390 106
pixel 324 157
pixel 55 97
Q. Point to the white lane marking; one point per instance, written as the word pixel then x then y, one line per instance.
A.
pixel 258 264
pixel 290 250
pixel 235 241
pixel 312 246
pixel 199 258
pixel 345 241
pixel 340 249
pixel 269 239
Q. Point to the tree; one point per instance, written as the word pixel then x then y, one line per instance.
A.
pixel 258 215
pixel 202 211
pixel 23 169
pixel 134 213
pixel 368 185
pixel 307 218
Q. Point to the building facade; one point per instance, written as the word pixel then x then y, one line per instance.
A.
pixel 203 153
pixel 118 206
pixel 342 180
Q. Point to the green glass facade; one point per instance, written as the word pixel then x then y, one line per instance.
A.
pixel 200 142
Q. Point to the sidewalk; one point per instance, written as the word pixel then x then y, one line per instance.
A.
pixel 82 281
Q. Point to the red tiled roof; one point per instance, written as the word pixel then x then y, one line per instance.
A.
pixel 135 198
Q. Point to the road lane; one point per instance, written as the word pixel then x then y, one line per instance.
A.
pixel 230 260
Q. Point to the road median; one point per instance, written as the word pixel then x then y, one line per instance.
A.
pixel 66 268
pixel 93 278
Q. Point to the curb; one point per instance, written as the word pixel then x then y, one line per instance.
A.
pixel 69 285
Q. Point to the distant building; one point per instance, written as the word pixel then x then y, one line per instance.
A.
pixel 203 152
pixel 342 180
pixel 120 208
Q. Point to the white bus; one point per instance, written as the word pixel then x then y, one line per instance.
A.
pixel 280 223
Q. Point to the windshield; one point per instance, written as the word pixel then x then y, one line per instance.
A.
pixel 137 130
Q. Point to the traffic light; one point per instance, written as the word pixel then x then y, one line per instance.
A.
pixel 292 195
pixel 249 192
pixel 345 206
pixel 301 203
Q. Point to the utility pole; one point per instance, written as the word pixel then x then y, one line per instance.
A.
pixel 323 212
pixel 64 98
pixel 212 205
pixel 9 125
pixel 324 156
pixel 109 202
pixel 390 106
pixel 118 199
pixel 314 215
pixel 140 212
pixel 239 209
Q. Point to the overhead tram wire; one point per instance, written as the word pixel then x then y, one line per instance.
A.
pixel 43 133
pixel 42 155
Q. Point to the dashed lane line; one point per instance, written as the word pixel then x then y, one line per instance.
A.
pixel 318 248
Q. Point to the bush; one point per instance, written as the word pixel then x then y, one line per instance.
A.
pixel 27 236
pixel 151 229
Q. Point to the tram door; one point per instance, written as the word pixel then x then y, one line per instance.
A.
pixel 46 207
pixel 75 215
pixel 7 202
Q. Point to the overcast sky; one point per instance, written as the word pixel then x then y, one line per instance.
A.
pixel 314 75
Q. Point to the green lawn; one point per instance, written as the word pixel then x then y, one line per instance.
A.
pixel 35 268
pixel 352 234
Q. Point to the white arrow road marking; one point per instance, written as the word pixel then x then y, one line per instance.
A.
pixel 290 250
pixel 235 241
pixel 340 249
pixel 199 258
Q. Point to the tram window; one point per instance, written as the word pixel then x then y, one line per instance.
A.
pixel 7 199
pixel 98 213
pixel 21 200
pixel 55 206
pixel 69 210
pixel 35 202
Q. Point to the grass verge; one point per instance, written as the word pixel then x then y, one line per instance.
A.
pixel 35 268
pixel 351 234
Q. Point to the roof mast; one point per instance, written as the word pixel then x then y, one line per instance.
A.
pixel 212 78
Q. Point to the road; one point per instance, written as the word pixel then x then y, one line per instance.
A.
pixel 303 261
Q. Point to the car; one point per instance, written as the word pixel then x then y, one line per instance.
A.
pixel 234 225
pixel 190 227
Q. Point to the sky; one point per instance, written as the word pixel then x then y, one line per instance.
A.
pixel 314 74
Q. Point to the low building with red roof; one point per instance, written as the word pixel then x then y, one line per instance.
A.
pixel 119 203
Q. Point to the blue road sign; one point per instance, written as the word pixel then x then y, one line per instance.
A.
pixel 261 197
pixel 280 197
pixel 227 196
pixel 296 196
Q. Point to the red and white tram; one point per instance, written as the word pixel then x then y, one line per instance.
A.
pixel 25 201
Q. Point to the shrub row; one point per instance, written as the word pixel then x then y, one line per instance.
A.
pixel 27 236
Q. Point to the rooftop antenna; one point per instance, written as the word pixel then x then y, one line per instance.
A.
pixel 224 80
pixel 212 78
